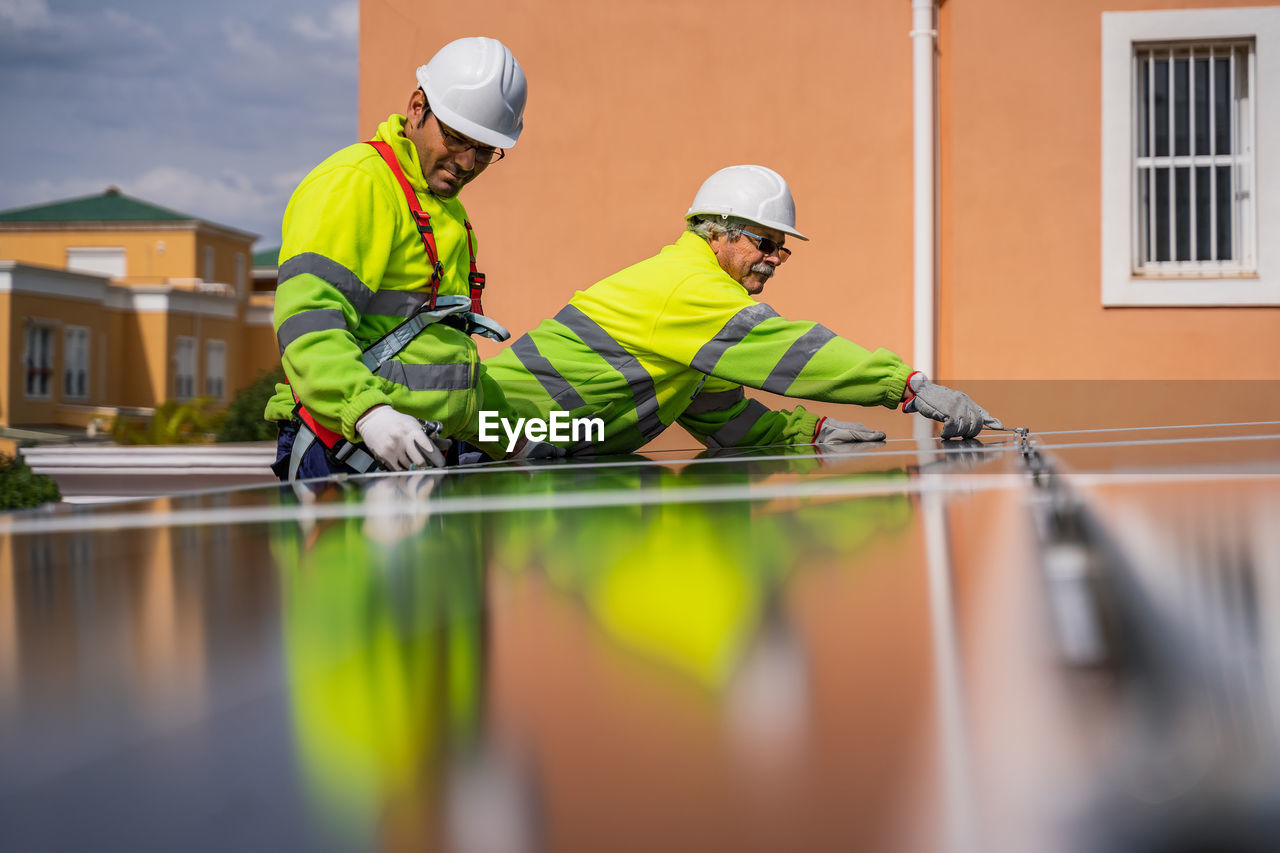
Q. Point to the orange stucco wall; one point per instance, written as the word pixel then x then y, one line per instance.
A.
pixel 631 106
pixel 229 253
pixel 151 257
pixel 60 313
pixel 1020 147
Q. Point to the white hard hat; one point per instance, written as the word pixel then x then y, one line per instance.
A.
pixel 755 193
pixel 476 87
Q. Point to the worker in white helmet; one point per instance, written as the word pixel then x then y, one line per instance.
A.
pixel 379 286
pixel 677 336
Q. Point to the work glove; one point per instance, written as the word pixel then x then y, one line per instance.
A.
pixel 960 416
pixel 398 440
pixel 832 431
pixel 537 450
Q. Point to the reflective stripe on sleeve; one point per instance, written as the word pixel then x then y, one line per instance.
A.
pixel 333 273
pixel 545 372
pixel 793 361
pixel 736 429
pixel 305 322
pixel 733 332
pixel 427 377
pixel 641 383
pixel 713 401
pixel 396 303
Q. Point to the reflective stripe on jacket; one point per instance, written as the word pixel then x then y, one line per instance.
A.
pixel 353 267
pixel 674 337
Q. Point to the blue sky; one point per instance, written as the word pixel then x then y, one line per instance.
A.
pixel 213 109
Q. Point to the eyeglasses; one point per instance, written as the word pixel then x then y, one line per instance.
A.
pixel 458 144
pixel 768 246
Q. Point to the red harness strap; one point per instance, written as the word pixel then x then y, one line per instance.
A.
pixel 423 220
pixel 327 437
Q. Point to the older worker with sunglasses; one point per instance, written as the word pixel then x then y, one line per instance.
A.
pixel 677 336
pixel 379 285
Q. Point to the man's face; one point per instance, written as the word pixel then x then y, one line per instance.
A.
pixel 743 260
pixel 449 160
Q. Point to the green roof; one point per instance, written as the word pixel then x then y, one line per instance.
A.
pixel 267 258
pixel 110 206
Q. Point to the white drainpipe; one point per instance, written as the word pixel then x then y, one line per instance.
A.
pixel 923 38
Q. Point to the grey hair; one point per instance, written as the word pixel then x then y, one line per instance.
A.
pixel 708 227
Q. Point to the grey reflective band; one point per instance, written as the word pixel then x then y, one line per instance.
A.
pixel 428 377
pixel 733 332
pixel 396 303
pixel 642 390
pixel 793 361
pixel 736 429
pixel 328 270
pixel 714 401
pixel 306 322
pixel 545 372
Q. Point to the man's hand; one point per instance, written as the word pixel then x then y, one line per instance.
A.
pixel 398 440
pixel 832 431
pixel 960 416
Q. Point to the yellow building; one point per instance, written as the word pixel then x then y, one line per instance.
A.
pixel 113 303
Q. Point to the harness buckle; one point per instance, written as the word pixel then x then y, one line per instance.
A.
pixel 476 279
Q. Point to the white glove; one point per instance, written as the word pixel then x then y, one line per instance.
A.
pixel 537 450
pixel 959 415
pixel 397 440
pixel 832 431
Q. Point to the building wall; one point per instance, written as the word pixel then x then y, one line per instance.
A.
pixel 229 254
pixel 631 106
pixel 1021 167
pixel 152 256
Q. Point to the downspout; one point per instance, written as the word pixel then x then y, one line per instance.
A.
pixel 924 329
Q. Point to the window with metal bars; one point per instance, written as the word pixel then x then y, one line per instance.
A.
pixel 1193 158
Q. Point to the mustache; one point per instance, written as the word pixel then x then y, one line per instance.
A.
pixel 764 268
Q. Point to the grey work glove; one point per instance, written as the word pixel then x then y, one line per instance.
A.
pixel 832 431
pixel 960 416
pixel 398 440
pixel 537 450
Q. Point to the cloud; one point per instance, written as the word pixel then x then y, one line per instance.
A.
pixel 34 38
pixel 216 110
pixel 25 15
pixel 341 24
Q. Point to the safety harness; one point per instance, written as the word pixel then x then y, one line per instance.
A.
pixel 462 312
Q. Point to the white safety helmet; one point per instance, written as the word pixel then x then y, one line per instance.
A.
pixel 476 87
pixel 755 193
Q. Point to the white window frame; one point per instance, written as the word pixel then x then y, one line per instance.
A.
pixel 109 261
pixel 184 368
pixel 37 359
pixel 215 369
pixel 1123 283
pixel 75 362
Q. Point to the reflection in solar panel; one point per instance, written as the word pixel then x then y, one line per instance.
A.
pixel 914 645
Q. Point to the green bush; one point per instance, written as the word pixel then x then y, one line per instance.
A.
pixel 244 417
pixel 174 422
pixel 20 487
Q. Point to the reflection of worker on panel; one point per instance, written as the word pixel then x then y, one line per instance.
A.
pixel 677 336
pixel 385 646
pixel 698 588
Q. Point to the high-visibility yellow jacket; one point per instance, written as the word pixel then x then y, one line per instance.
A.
pixel 352 267
pixel 675 338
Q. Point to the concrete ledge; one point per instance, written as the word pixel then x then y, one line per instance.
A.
pixel 174 460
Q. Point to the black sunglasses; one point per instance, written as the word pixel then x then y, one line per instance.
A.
pixel 768 246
